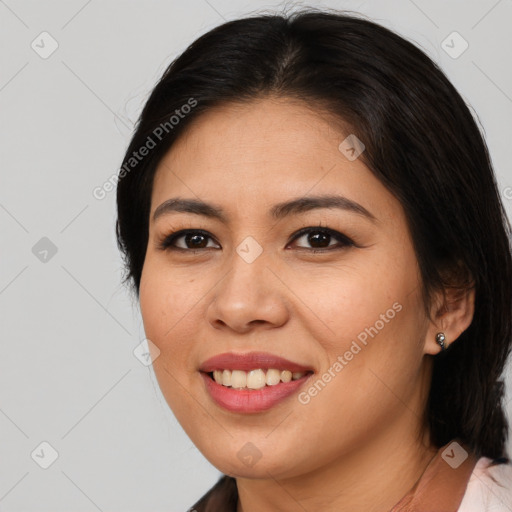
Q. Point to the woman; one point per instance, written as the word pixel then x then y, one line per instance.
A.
pixel 312 226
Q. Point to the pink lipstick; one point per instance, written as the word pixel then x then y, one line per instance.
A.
pixel 252 382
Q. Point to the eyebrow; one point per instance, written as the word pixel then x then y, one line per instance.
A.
pixel 278 211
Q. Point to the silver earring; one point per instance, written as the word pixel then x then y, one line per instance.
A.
pixel 440 340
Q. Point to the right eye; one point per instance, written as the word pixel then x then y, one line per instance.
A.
pixel 186 240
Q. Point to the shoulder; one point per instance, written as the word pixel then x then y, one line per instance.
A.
pixel 222 496
pixel 489 488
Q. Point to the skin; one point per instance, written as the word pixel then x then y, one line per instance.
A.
pixel 360 443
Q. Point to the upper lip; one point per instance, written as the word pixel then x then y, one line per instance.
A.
pixel 250 361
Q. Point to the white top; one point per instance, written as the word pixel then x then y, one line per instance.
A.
pixel 483 494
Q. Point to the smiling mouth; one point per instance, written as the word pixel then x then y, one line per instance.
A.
pixel 254 379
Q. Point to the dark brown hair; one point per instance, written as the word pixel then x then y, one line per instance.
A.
pixel 421 142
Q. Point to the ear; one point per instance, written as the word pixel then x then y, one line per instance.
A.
pixel 451 313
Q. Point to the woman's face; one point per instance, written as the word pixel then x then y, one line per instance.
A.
pixel 349 317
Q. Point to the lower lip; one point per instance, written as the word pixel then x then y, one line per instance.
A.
pixel 251 400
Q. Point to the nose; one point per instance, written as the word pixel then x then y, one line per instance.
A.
pixel 249 296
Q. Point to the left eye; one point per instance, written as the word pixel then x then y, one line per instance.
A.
pixel 320 238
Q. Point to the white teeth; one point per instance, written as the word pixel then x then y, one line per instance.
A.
pixel 217 375
pixel 273 377
pixel 226 378
pixel 238 379
pixel 255 379
pixel 286 376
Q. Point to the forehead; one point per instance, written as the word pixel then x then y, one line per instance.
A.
pixel 261 153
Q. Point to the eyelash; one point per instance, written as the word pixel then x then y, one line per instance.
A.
pixel 343 240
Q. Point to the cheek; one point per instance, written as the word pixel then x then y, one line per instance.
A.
pixel 371 326
pixel 371 374
pixel 168 300
pixel 354 302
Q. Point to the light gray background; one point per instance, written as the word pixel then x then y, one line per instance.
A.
pixel 68 375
